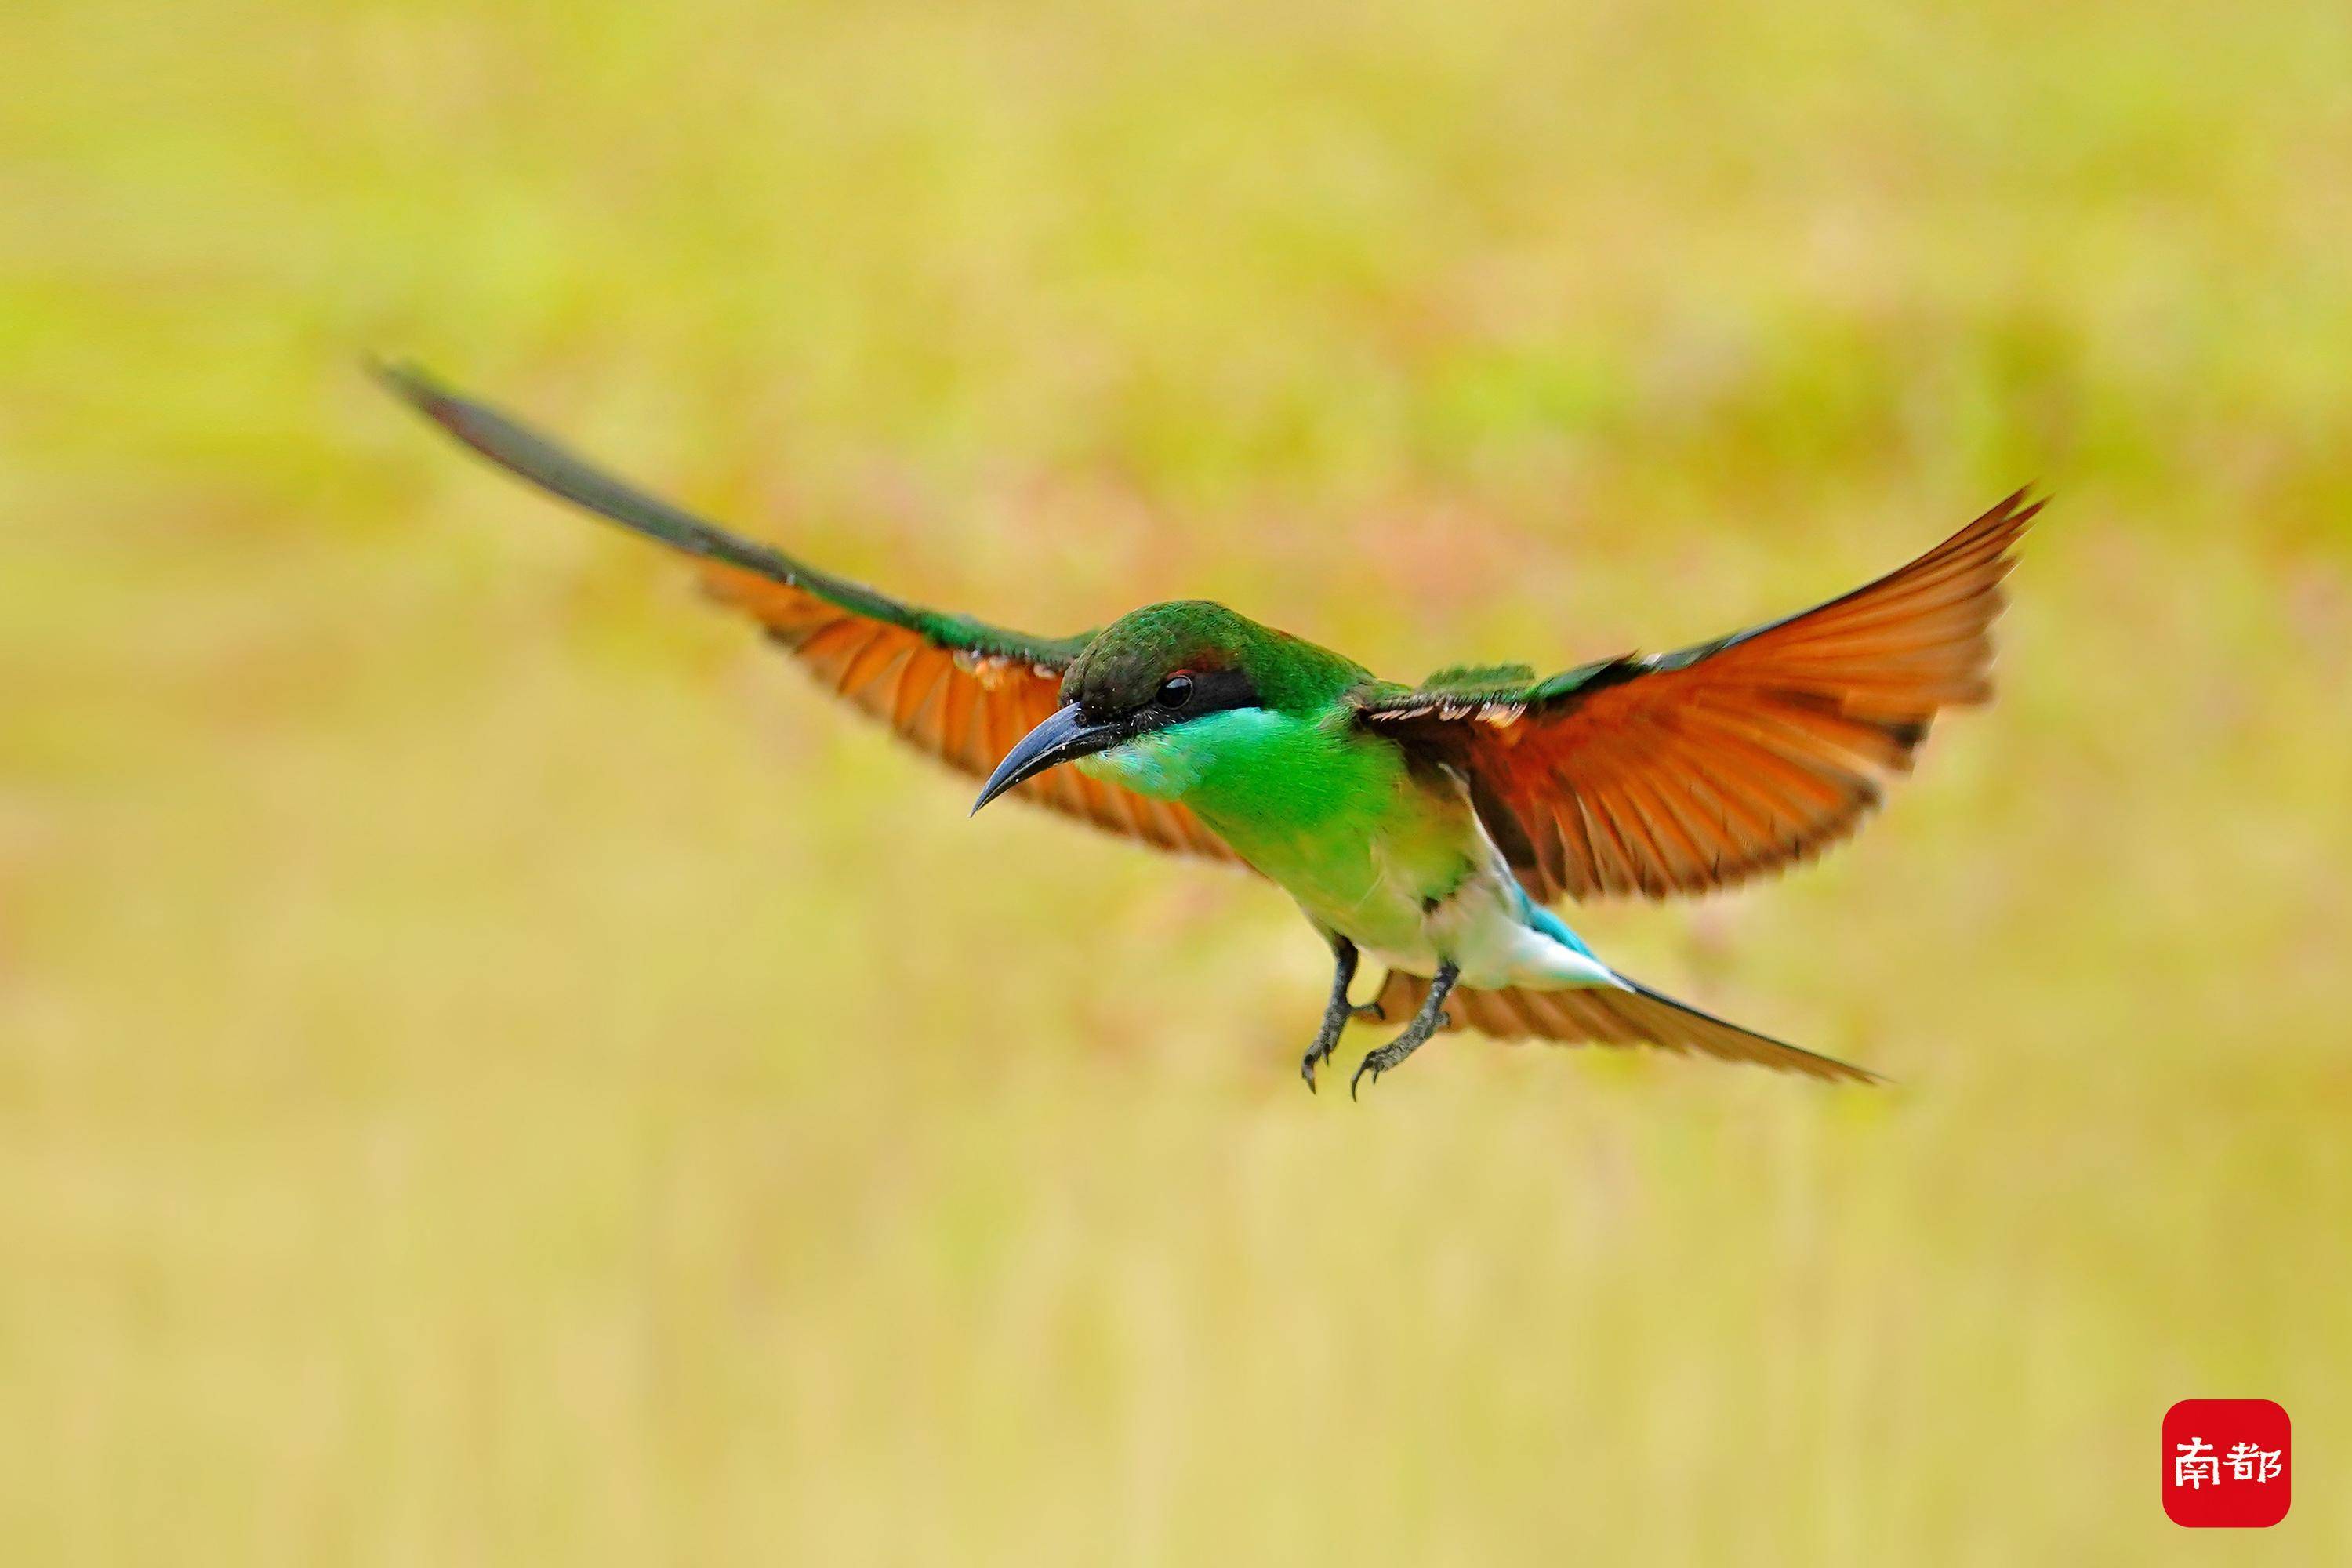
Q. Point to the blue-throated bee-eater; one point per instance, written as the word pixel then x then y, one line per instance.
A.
pixel 1427 825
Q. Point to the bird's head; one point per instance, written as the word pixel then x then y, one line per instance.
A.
pixel 1154 671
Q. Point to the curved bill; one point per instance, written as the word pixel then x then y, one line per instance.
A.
pixel 1065 735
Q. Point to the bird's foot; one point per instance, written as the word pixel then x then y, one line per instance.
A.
pixel 1327 1039
pixel 1377 1062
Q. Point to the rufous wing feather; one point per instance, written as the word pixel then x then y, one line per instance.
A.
pixel 1683 772
pixel 954 689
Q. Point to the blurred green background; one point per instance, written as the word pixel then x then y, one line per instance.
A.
pixel 492 1069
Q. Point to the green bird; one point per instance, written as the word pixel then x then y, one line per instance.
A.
pixel 1427 825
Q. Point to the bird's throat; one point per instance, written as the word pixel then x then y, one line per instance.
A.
pixel 1296 797
pixel 1166 765
pixel 1245 763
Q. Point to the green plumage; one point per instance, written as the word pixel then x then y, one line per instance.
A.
pixel 1479 678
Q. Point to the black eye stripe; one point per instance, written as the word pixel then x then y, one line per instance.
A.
pixel 1205 691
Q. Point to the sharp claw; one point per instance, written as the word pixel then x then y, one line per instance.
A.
pixel 1317 1054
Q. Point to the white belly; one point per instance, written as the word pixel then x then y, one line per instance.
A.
pixel 1480 928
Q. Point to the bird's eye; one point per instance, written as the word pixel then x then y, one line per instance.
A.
pixel 1175 691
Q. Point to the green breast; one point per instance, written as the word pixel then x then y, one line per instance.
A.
pixel 1329 813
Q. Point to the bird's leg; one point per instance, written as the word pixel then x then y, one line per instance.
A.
pixel 1426 1022
pixel 1337 1011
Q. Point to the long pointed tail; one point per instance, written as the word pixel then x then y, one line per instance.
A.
pixel 1638 1016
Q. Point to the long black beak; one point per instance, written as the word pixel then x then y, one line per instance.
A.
pixel 1064 737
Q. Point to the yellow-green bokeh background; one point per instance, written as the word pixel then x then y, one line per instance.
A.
pixel 493 1071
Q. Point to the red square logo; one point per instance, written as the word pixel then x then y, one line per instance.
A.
pixel 2228 1463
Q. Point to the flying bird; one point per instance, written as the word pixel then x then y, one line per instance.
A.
pixel 1427 825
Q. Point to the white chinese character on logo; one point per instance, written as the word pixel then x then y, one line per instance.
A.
pixel 2195 1464
pixel 2248 1463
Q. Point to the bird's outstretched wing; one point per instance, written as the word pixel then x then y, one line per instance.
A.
pixel 1682 772
pixel 1605 1017
pixel 952 687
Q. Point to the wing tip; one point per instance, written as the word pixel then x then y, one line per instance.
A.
pixel 473 425
pixel 412 384
pixel 2012 514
